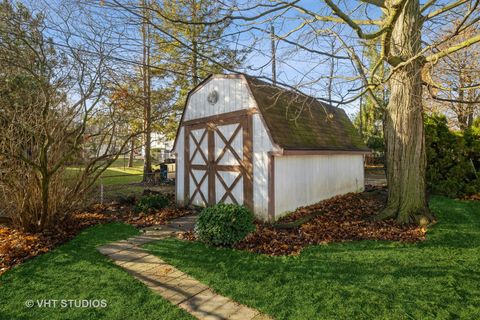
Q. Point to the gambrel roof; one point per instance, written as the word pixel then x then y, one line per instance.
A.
pixel 300 122
pixel 296 121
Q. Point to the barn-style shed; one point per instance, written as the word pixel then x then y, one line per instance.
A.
pixel 244 141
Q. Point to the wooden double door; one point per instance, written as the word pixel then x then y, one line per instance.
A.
pixel 218 161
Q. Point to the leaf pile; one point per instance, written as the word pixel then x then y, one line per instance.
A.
pixel 473 197
pixel 17 246
pixel 186 235
pixel 343 218
pixel 158 217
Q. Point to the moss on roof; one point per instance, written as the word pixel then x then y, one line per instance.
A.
pixel 301 122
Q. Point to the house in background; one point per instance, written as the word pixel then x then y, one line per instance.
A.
pixel 160 148
pixel 244 141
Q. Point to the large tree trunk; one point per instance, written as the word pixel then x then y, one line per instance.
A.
pixel 404 132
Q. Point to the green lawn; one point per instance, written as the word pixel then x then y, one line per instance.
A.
pixel 435 279
pixel 118 173
pixel 77 271
pixel 118 180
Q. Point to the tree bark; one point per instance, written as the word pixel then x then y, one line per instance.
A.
pixel 147 111
pixel 131 157
pixel 45 190
pixel 274 55
pixel 194 45
pixel 404 131
pixel 462 113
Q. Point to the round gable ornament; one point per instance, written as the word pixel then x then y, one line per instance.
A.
pixel 212 97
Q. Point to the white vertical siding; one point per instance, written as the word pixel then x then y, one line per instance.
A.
pixel 233 95
pixel 180 167
pixel 305 180
pixel 261 146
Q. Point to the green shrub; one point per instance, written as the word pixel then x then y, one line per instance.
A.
pixel 376 143
pixel 224 224
pixel 453 167
pixel 152 202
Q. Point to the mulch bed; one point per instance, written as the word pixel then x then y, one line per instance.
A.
pixel 17 246
pixel 339 219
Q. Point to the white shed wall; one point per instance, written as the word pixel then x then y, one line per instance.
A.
pixel 305 180
pixel 233 95
pixel 180 167
pixel 261 146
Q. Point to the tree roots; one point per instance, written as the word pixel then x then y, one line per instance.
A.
pixel 419 217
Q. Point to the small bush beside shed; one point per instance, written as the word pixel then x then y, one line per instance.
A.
pixel 224 224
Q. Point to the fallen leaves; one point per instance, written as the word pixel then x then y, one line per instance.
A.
pixel 473 197
pixel 186 235
pixel 159 217
pixel 17 246
pixel 344 218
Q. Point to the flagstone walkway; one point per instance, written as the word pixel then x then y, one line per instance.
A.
pixel 172 284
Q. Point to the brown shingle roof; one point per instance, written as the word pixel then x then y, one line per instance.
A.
pixel 300 122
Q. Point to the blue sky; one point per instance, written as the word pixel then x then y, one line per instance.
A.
pixel 300 68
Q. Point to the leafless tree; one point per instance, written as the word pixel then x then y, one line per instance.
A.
pixel 47 120
pixel 457 77
pixel 398 25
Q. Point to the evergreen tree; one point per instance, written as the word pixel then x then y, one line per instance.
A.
pixel 191 51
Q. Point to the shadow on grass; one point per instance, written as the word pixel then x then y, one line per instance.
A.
pixel 437 278
pixel 77 271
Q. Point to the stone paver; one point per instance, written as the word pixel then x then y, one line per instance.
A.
pixel 115 247
pixel 184 223
pixel 172 284
pixel 140 240
pixel 127 255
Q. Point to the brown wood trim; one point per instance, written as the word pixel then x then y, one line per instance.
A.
pixel 186 174
pixel 197 126
pixel 198 186
pixel 198 146
pixel 215 76
pixel 210 164
pixel 185 107
pixel 200 85
pixel 271 187
pixel 247 161
pixel 320 152
pixel 228 190
pixel 176 180
pixel 220 118
pixel 199 167
pixel 228 167
pixel 245 167
pixel 228 144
